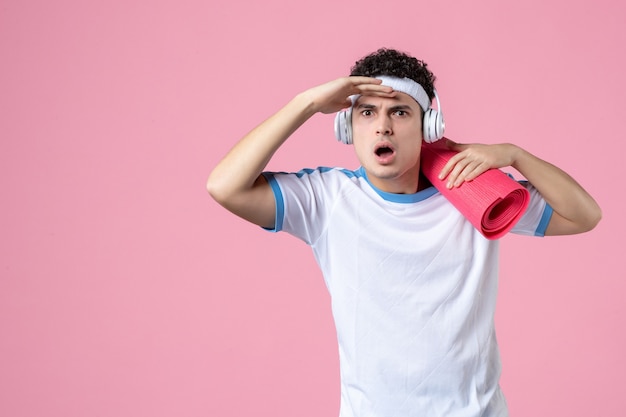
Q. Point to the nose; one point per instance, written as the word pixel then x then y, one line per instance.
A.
pixel 384 126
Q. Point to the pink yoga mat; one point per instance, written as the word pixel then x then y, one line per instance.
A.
pixel 493 202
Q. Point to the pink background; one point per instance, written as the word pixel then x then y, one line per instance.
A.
pixel 126 291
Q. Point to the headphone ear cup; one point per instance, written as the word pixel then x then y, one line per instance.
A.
pixel 343 126
pixel 427 126
pixel 433 125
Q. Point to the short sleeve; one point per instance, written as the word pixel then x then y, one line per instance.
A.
pixel 537 216
pixel 302 201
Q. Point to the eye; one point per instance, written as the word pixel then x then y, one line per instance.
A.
pixel 367 112
pixel 400 113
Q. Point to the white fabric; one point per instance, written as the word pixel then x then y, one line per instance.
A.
pixel 407 86
pixel 413 288
pixel 403 85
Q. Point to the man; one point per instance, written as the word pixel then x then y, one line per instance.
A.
pixel 413 283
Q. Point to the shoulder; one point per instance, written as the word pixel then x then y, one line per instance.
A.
pixel 322 171
pixel 322 174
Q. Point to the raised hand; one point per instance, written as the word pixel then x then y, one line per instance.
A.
pixel 335 95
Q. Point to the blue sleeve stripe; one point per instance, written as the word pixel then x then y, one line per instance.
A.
pixel 280 203
pixel 545 219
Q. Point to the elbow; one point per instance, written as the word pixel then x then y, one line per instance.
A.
pixel 210 186
pixel 216 189
pixel 594 218
pixel 224 190
pixel 591 220
pixel 582 223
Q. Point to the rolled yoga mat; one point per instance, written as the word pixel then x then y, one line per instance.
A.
pixel 493 202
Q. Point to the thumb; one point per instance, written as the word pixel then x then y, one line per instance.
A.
pixel 453 146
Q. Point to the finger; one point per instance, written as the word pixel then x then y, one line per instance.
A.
pixel 358 79
pixel 457 147
pixel 448 143
pixel 456 171
pixel 371 86
pixel 464 175
pixel 376 90
pixel 478 170
pixel 466 168
pixel 449 166
pixel 471 171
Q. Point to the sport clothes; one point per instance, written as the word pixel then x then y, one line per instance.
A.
pixel 413 287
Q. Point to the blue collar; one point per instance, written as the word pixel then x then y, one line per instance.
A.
pixel 398 198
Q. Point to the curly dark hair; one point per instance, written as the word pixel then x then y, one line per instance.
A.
pixel 398 64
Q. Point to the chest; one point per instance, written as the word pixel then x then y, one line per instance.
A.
pixel 387 248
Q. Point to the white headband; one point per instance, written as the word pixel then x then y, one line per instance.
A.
pixel 407 86
pixel 403 85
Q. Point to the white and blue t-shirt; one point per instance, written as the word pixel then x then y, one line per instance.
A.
pixel 413 287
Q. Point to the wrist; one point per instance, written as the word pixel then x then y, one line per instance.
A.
pixel 306 104
pixel 518 155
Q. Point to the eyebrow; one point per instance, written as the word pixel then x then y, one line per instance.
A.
pixel 392 108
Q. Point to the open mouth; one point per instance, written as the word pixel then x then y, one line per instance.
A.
pixel 383 151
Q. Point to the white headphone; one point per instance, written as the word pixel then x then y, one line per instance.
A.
pixel 433 124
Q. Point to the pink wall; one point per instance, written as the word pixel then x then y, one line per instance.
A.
pixel 126 291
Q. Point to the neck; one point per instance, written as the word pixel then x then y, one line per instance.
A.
pixel 408 183
pixel 423 183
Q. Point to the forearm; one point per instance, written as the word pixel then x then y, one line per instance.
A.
pixel 240 168
pixel 578 210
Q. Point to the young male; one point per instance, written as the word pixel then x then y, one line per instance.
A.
pixel 413 283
